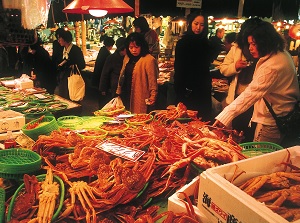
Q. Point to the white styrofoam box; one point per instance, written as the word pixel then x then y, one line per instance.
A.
pixel 221 201
pixel 24 83
pixel 176 201
pixel 13 122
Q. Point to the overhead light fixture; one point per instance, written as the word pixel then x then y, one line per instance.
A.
pixel 86 7
pixel 98 12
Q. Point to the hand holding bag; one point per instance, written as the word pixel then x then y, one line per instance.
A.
pixel 76 84
pixel 289 124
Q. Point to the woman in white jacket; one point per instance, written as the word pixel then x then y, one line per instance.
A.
pixel 274 79
pixel 239 64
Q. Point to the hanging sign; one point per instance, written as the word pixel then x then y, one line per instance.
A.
pixel 189 3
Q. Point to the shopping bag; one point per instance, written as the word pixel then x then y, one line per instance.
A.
pixel 113 107
pixel 115 103
pixel 76 84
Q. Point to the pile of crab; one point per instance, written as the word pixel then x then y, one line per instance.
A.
pixel 279 190
pixel 101 184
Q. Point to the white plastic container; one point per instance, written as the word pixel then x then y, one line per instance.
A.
pixel 222 202
pixel 176 201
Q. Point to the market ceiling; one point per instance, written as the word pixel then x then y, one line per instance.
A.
pixel 287 9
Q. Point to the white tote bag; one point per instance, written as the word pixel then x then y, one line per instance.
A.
pixel 76 84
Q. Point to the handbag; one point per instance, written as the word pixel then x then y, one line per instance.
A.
pixel 290 123
pixel 76 84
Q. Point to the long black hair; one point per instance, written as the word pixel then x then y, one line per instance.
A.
pixel 191 17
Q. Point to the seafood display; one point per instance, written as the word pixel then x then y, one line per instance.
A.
pixel 101 186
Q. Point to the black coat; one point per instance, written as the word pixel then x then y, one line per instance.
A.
pixel 111 73
pixel 99 64
pixel 192 79
pixel 44 69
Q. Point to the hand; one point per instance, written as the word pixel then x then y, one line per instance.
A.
pixel 149 101
pixel 240 64
pixel 218 124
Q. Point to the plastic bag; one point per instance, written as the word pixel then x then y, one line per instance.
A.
pixel 76 84
pixel 113 107
pixel 115 103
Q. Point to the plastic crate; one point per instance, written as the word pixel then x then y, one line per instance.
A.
pixel 42 130
pixel 16 162
pixel 252 149
pixel 2 204
pixel 69 121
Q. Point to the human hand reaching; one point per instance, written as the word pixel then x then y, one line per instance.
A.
pixel 240 64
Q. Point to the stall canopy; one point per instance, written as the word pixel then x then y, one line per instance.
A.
pixel 279 9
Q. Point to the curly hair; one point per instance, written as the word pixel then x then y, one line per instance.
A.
pixel 249 24
pixel 139 40
pixel 267 39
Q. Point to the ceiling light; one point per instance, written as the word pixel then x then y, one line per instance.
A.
pixel 85 6
pixel 98 12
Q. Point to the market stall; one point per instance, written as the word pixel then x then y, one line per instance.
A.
pixel 119 161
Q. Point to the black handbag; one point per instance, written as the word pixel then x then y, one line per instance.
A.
pixel 290 123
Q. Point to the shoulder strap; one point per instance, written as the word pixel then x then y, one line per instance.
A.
pixel 270 109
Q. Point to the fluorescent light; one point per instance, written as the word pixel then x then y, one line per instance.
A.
pixel 97 12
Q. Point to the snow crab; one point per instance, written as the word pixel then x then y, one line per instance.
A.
pixel 119 184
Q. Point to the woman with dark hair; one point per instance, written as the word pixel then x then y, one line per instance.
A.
pixel 274 79
pixel 138 77
pixel 240 64
pixel 39 60
pixel 193 56
pixel 141 26
pixel 72 55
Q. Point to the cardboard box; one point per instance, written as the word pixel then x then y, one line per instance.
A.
pixel 11 120
pixel 222 201
pixel 176 201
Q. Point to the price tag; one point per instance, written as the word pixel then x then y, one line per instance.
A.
pixel 120 150
pixel 40 96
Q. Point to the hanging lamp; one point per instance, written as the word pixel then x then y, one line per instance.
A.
pixel 97 8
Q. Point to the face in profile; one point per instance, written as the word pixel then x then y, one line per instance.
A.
pixel 134 49
pixel 253 47
pixel 198 24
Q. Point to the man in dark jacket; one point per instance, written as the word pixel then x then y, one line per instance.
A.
pixel 104 52
pixel 111 72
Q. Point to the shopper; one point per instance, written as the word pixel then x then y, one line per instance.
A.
pixel 138 77
pixel 217 42
pixel 229 40
pixel 239 65
pixel 111 72
pixel 104 52
pixel 193 56
pixel 44 70
pixel 141 26
pixel 57 49
pixel 274 79
pixel 72 55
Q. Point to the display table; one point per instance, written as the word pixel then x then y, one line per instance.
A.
pixel 73 108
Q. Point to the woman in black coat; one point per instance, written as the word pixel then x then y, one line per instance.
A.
pixel 43 67
pixel 72 55
pixel 192 79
